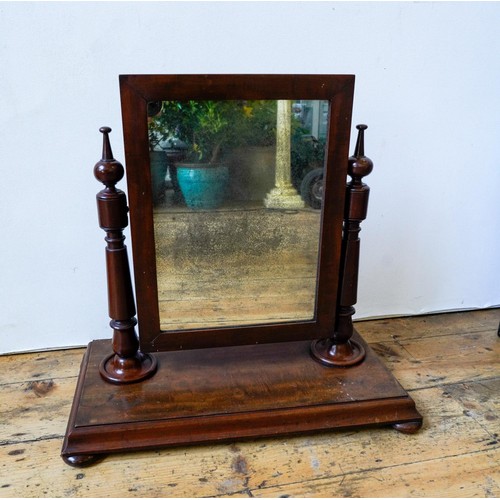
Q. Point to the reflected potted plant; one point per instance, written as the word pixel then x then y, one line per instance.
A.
pixel 209 129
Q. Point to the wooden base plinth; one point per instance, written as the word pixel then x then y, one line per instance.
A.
pixel 227 394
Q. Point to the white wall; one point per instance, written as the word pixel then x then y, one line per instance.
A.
pixel 428 85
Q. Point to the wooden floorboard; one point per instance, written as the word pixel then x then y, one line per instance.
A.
pixel 448 362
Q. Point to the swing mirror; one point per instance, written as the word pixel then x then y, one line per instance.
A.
pixel 236 191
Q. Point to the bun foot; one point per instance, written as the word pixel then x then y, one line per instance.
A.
pixel 408 427
pixel 82 460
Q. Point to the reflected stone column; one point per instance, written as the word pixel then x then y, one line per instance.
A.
pixel 283 195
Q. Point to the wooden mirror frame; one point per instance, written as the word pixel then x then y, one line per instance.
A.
pixel 136 91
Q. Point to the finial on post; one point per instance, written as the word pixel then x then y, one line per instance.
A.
pixel 108 170
pixel 107 154
pixel 340 350
pixel 359 165
pixel 359 150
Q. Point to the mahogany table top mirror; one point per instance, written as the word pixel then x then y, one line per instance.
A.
pixel 245 210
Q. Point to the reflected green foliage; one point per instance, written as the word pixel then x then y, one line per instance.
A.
pixel 210 129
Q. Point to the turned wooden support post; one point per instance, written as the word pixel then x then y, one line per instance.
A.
pixel 126 364
pixel 340 349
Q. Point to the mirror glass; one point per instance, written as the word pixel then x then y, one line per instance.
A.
pixel 237 198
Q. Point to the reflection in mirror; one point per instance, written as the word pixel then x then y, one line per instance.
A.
pixel 237 191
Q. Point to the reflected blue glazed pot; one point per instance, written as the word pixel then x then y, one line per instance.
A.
pixel 204 186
